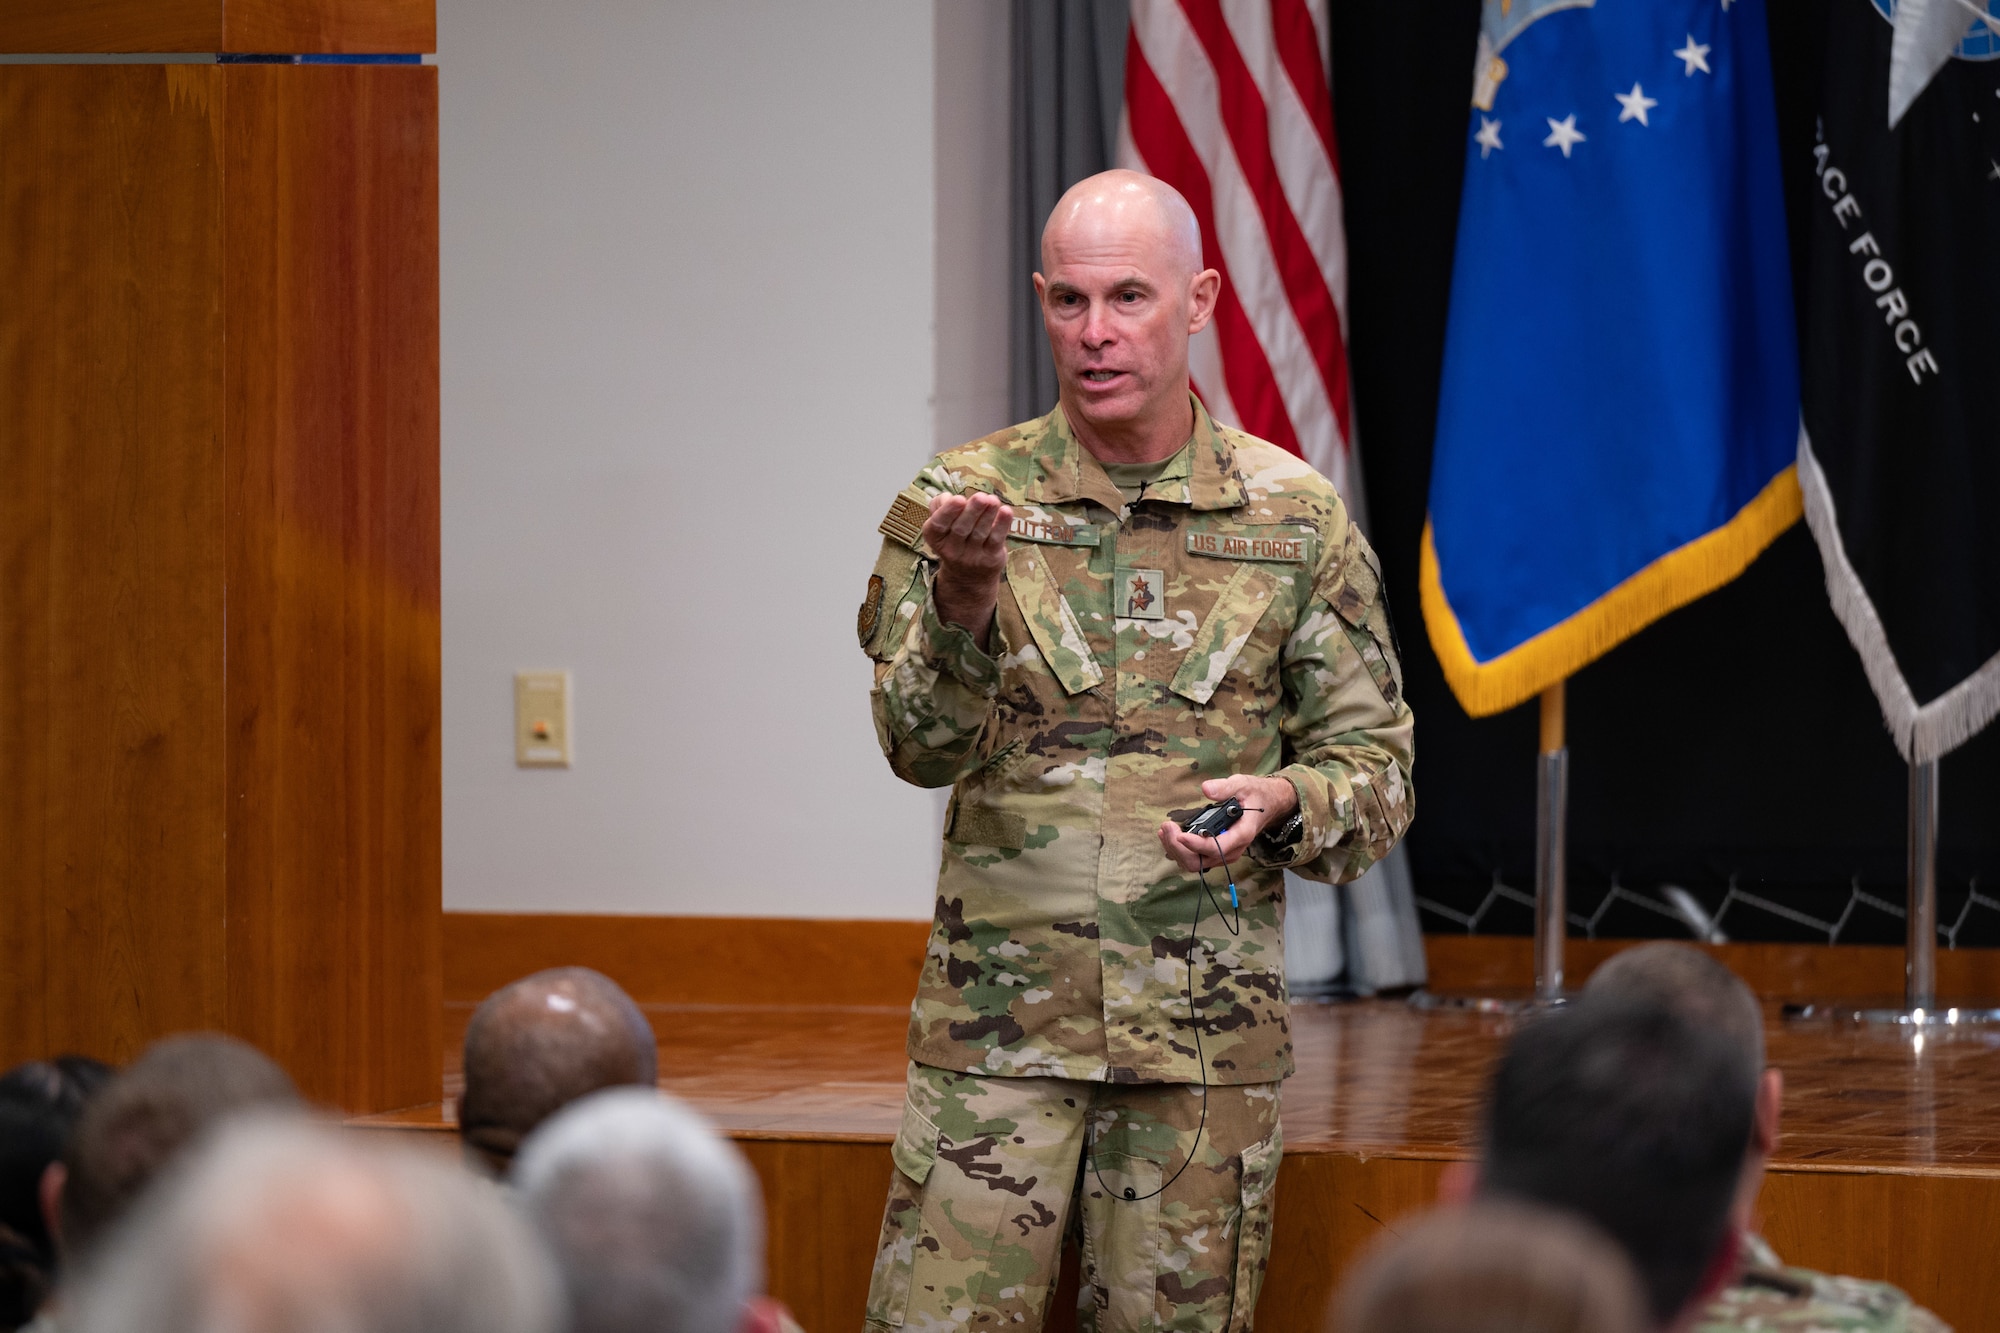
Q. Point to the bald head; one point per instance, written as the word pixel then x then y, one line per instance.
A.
pixel 1125 209
pixel 540 1043
pixel 1122 291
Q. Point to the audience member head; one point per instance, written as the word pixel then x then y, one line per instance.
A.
pixel 653 1217
pixel 175 1092
pixel 287 1226
pixel 1705 993
pixel 1493 1267
pixel 40 1103
pixel 1636 1119
pixel 1691 983
pixel 538 1044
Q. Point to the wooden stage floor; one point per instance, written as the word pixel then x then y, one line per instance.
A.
pixel 1889 1165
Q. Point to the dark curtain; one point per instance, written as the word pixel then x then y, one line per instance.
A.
pixel 1736 741
pixel 1069 83
pixel 1734 744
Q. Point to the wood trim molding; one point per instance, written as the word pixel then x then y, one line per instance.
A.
pixel 692 959
pixel 793 960
pixel 69 27
pixel 1786 972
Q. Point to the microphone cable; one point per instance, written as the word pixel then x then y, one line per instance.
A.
pixel 1129 1195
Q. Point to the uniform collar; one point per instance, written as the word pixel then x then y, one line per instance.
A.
pixel 1066 471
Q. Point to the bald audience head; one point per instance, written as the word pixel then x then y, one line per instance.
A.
pixel 173 1095
pixel 1123 289
pixel 540 1043
pixel 291 1227
pixel 1492 1267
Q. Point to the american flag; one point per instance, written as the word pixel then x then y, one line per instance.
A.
pixel 1231 103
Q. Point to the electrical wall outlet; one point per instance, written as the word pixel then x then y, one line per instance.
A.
pixel 541 719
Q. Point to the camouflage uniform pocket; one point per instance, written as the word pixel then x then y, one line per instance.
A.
pixel 1253 1228
pixel 1219 643
pixel 1354 590
pixel 914 1152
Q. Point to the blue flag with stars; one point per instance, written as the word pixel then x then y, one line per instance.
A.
pixel 1619 412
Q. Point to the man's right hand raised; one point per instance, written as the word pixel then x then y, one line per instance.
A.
pixel 968 534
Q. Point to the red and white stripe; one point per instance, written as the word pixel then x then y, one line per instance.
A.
pixel 1231 103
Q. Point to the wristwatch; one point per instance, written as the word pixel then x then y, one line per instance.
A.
pixel 1281 837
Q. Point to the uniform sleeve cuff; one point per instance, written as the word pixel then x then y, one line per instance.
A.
pixel 950 648
pixel 1310 786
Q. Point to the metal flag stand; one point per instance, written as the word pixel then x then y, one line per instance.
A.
pixel 1920 1008
pixel 1551 850
pixel 1551 877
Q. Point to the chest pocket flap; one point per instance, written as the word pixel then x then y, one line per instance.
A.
pixel 1217 644
pixel 1265 557
pixel 1050 618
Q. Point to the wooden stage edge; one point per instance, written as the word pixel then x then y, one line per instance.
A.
pixel 790 960
pixel 788 1034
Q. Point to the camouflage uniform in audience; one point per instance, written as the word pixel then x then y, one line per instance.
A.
pixel 1228 621
pixel 1770 1296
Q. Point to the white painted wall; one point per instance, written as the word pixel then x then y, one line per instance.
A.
pixel 974 267
pixel 690 263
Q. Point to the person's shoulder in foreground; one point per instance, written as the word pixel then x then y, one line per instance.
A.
pixel 1769 1295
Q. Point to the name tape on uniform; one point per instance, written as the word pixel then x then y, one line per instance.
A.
pixel 1053 530
pixel 1238 546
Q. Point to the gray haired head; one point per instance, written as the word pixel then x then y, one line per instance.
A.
pixel 653 1217
pixel 286 1226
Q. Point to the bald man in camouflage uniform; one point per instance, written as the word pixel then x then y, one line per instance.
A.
pixel 1088 625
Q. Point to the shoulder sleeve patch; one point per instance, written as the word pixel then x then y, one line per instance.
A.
pixel 880 621
pixel 904 523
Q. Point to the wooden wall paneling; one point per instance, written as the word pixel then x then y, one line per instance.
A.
pixel 1330 1207
pixel 73 27
pixel 112 250
pixel 823 1210
pixel 692 959
pixel 335 861
pixel 28 222
pixel 266 26
pixel 1924 1233
pixel 376 26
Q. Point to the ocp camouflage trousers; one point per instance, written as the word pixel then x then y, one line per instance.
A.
pixel 992 1173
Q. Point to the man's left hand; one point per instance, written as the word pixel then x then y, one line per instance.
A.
pixel 1265 801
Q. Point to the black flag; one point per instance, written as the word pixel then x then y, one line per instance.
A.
pixel 1899 459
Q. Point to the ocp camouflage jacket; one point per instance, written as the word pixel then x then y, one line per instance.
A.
pixel 1230 620
pixel 1768 1297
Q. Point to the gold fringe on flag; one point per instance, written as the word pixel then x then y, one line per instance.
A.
pixel 1670 582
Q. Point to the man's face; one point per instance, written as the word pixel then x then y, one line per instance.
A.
pixel 1119 303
